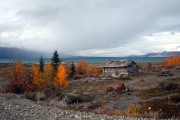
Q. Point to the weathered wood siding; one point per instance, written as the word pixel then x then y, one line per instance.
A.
pixel 130 70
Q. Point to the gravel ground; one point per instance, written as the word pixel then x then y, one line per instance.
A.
pixel 14 107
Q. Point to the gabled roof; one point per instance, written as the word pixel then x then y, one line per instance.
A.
pixel 120 63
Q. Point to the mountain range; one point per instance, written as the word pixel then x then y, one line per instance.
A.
pixel 159 54
pixel 14 53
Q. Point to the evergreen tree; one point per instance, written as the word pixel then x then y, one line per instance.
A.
pixel 41 65
pixel 55 60
pixel 72 70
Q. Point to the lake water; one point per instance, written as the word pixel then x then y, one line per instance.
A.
pixel 91 59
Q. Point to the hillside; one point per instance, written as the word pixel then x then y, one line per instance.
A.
pixel 159 54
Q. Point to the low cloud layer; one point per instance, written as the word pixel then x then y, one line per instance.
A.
pixel 91 27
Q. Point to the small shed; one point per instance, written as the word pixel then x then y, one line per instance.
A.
pixel 121 68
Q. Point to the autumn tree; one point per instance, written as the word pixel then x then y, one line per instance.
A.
pixel 81 67
pixel 171 61
pixel 37 79
pixel 48 75
pixel 89 69
pixel 61 77
pixel 19 72
pixel 17 78
pixel 97 70
pixel 41 65
pixel 55 60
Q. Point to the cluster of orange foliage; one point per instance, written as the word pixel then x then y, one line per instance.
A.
pixel 48 74
pixel 61 77
pixel 38 78
pixel 93 69
pixel 84 68
pixel 24 80
pixel 81 67
pixel 49 77
pixel 117 112
pixel 133 111
pixel 18 72
pixel 174 61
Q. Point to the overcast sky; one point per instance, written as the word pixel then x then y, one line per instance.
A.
pixel 91 27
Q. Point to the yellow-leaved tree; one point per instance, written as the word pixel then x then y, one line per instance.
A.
pixel 18 71
pixel 37 79
pixel 48 75
pixel 61 77
pixel 81 67
pixel 89 69
pixel 17 78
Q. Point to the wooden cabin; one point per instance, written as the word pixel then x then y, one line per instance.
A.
pixel 121 68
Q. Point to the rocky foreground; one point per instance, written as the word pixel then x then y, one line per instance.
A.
pixel 14 107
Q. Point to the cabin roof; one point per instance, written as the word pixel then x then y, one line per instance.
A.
pixel 119 63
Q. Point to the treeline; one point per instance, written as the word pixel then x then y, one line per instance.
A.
pixel 40 76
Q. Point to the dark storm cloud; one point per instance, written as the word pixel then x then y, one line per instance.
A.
pixel 88 27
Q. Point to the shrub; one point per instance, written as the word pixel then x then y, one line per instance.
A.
pixel 109 89
pixel 133 111
pixel 81 67
pixel 117 112
pixel 92 105
pixel 125 78
pixel 17 78
pixel 176 98
pixel 76 77
pixel 168 86
pixel 31 96
pixel 120 87
pixel 15 88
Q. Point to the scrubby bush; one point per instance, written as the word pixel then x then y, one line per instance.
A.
pixel 120 87
pixel 109 89
pixel 125 78
pixel 31 96
pixel 175 99
pixel 16 83
pixel 133 111
pixel 117 112
pixel 168 86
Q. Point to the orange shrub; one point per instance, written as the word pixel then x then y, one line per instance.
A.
pixel 97 70
pixel 19 74
pixel 117 112
pixel 133 111
pixel 174 61
pixel 81 67
pixel 17 78
pixel 89 69
pixel 93 70
pixel 48 75
pixel 37 79
pixel 61 77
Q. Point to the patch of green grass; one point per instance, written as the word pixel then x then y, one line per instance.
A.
pixel 156 92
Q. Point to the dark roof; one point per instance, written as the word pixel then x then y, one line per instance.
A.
pixel 120 63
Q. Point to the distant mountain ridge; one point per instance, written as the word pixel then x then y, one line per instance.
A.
pixel 15 53
pixel 159 54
